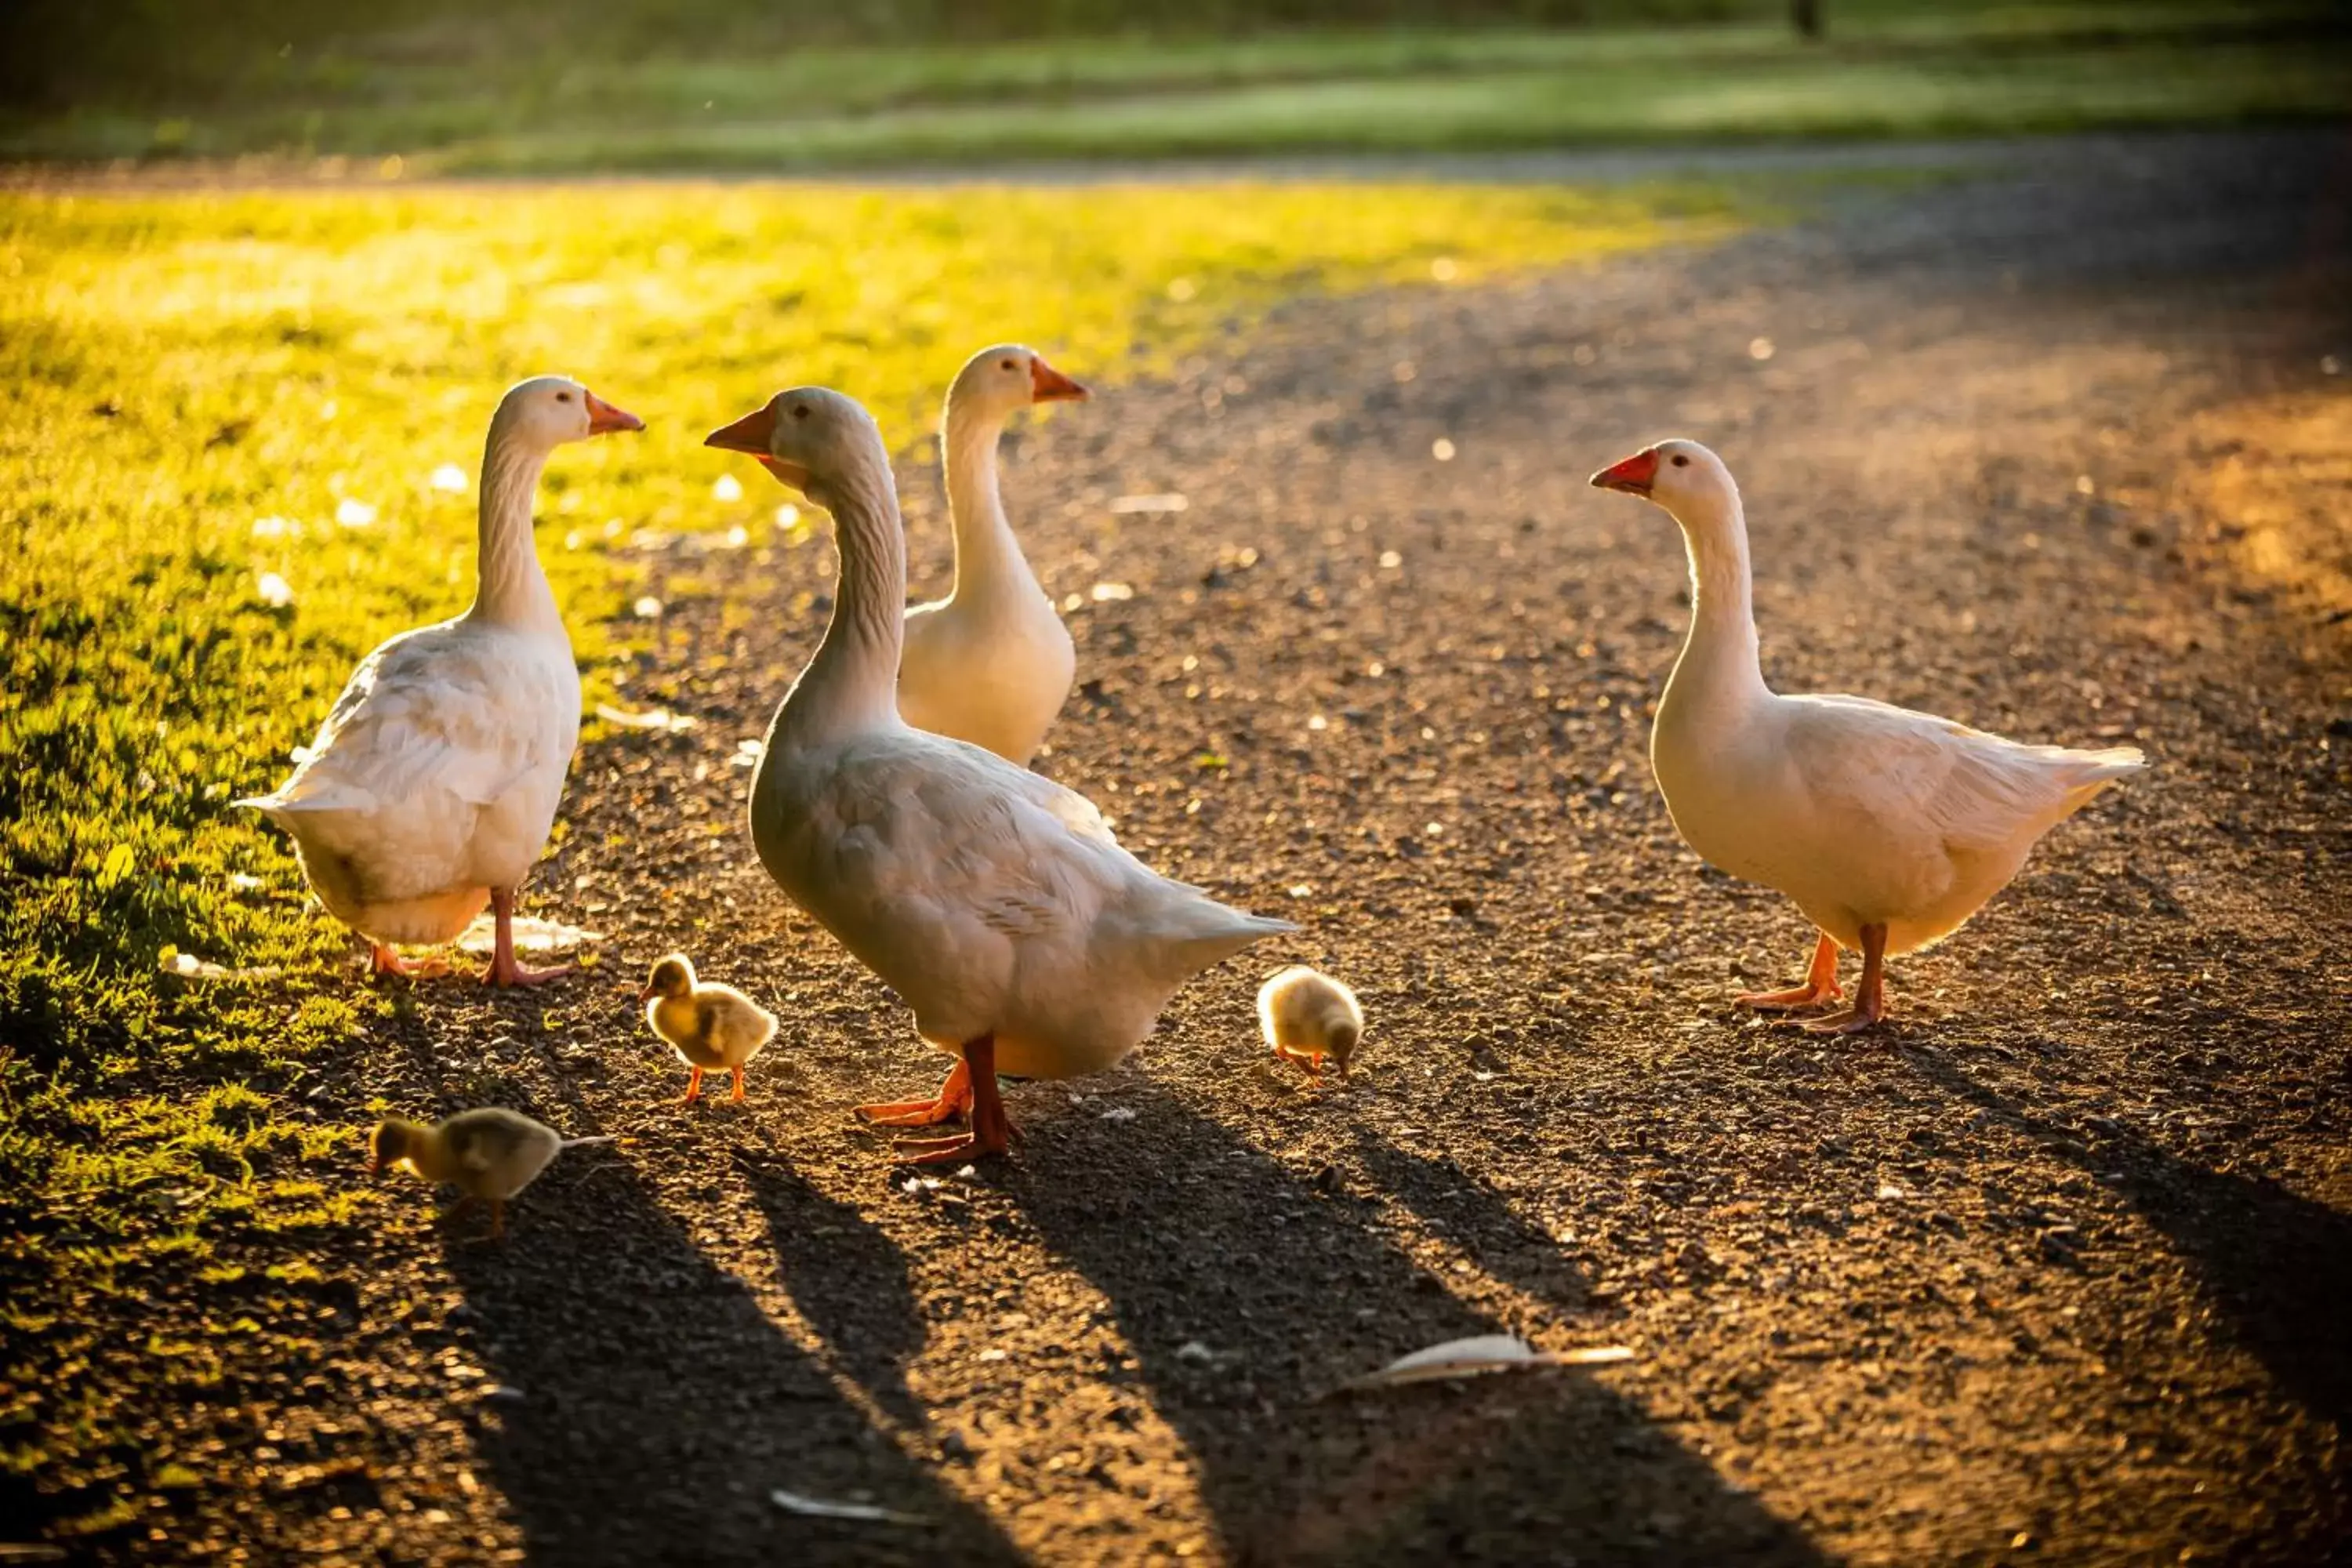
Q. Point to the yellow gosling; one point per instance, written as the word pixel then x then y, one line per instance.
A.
pixel 709 1025
pixel 1308 1015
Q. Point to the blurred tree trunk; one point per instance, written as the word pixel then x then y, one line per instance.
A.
pixel 1807 15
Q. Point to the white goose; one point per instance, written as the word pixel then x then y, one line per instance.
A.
pixel 995 901
pixel 430 789
pixel 991 662
pixel 1889 829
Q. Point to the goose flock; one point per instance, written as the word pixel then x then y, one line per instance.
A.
pixel 894 804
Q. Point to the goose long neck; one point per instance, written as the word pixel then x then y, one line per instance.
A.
pixel 988 557
pixel 512 588
pixel 852 681
pixel 1719 660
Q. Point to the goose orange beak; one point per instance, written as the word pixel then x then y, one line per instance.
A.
pixel 603 418
pixel 1047 384
pixel 750 436
pixel 749 433
pixel 1634 476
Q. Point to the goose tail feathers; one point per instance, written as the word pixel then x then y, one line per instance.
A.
pixel 1217 933
pixel 2083 774
pixel 2115 762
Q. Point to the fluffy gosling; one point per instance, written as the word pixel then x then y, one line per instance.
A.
pixel 489 1154
pixel 709 1025
pixel 1308 1015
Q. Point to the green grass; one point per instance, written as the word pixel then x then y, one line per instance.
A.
pixel 196 385
pixel 1887 69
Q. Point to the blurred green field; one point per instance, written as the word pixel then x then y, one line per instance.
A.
pixel 452 99
pixel 209 391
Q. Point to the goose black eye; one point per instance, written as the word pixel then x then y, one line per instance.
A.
pixel 1681 461
pixel 563 397
pixel 799 410
pixel 1006 364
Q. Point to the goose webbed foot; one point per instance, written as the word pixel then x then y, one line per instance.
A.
pixel 1851 1021
pixel 382 959
pixel 992 1130
pixel 505 968
pixel 1795 999
pixel 1869 997
pixel 950 1104
pixel 1820 989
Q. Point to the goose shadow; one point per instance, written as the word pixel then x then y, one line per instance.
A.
pixel 1289 1288
pixel 848 1280
pixel 650 1405
pixel 1478 1218
pixel 2278 1265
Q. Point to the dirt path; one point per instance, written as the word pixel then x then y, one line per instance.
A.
pixel 2055 1271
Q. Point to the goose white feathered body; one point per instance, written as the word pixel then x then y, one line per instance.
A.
pixel 992 663
pixel 1889 829
pixel 996 902
pixel 436 777
pixel 991 666
pixel 432 787
pixel 1865 814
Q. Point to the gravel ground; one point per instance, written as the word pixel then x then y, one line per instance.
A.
pixel 2054 1269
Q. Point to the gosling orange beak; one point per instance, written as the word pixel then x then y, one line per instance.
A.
pixel 1047 384
pixel 1634 475
pixel 603 418
pixel 646 994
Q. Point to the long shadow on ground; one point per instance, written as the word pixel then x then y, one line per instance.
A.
pixel 2278 1264
pixel 1290 1288
pixel 657 1404
pixel 848 1280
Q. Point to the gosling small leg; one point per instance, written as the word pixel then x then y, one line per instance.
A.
pixel 1820 984
pixel 738 1096
pixel 1870 996
pixel 693 1088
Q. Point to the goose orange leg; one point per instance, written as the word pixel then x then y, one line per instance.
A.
pixel 1869 997
pixel 953 1101
pixel 505 968
pixel 693 1088
pixel 991 1130
pixel 384 959
pixel 1820 984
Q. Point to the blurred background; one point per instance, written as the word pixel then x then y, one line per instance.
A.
pixel 559 86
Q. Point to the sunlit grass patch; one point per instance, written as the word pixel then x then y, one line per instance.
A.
pixel 239 449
